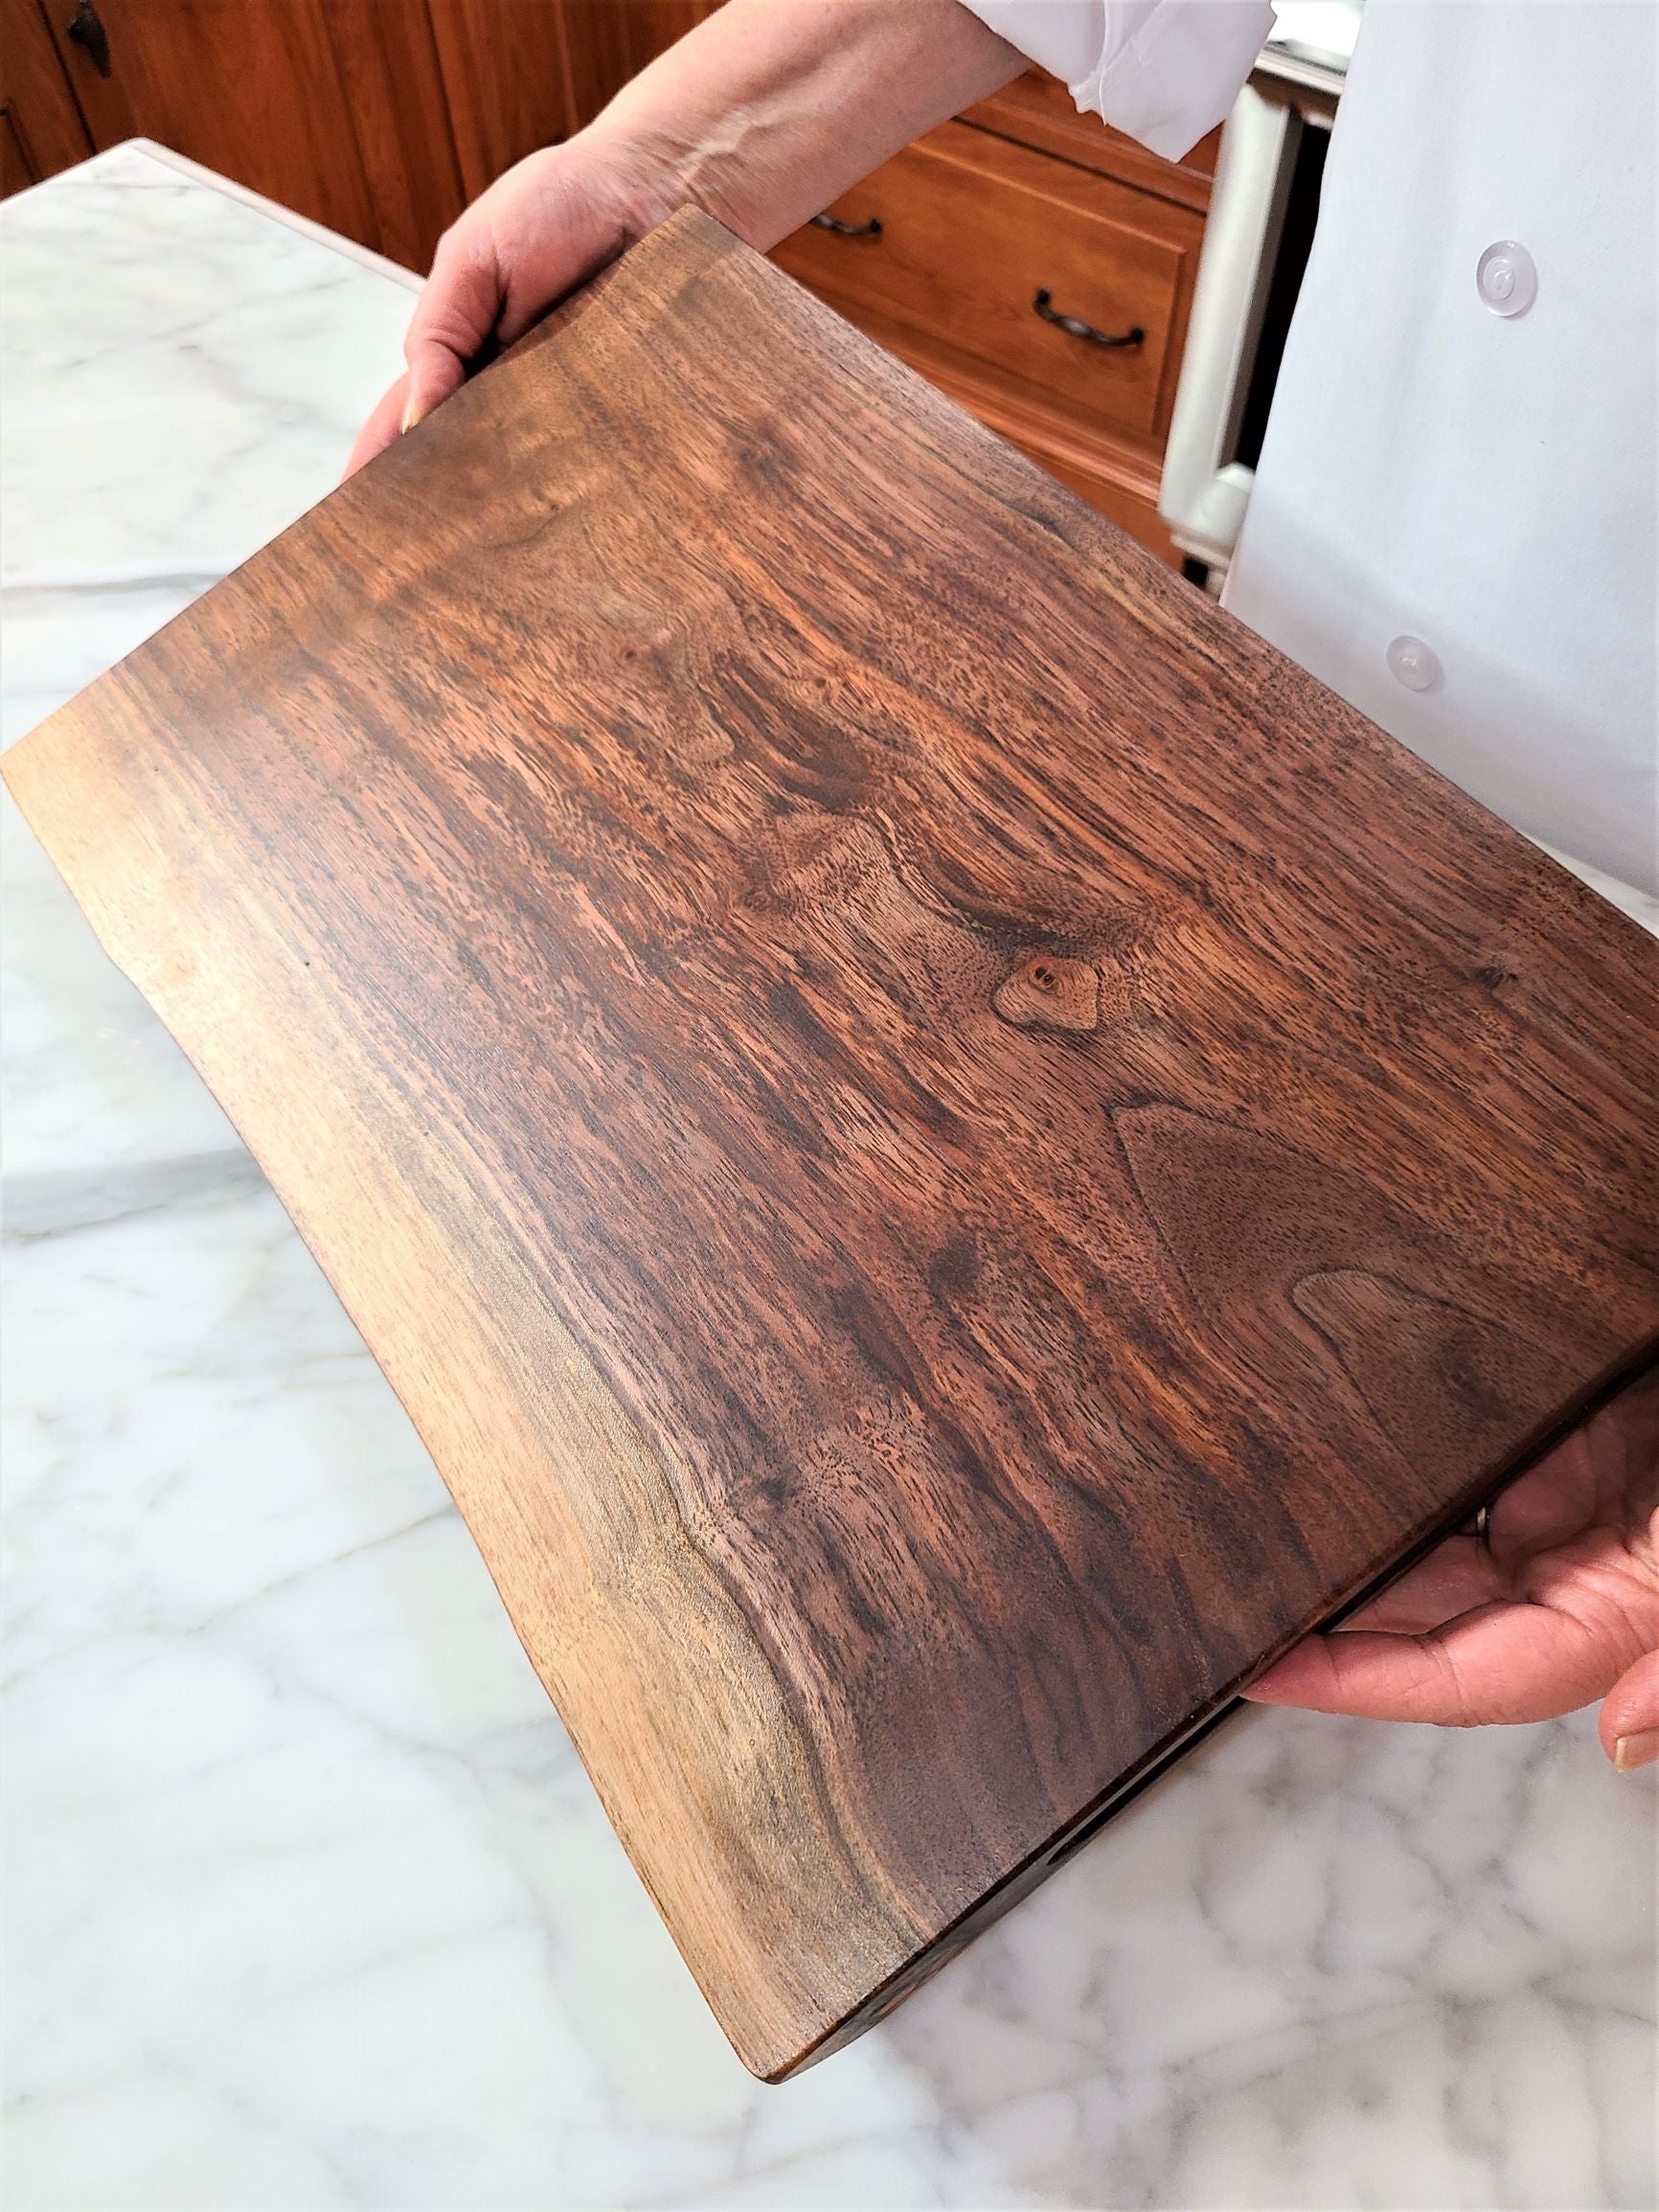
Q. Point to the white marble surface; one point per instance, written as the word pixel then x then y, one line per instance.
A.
pixel 308 1901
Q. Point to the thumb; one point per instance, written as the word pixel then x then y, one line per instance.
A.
pixel 456 314
pixel 381 427
pixel 435 372
pixel 1630 1722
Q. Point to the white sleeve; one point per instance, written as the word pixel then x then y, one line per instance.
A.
pixel 1163 71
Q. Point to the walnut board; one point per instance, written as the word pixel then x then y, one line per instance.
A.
pixel 945 1150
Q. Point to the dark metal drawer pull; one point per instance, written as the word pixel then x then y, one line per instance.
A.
pixel 86 29
pixel 1076 330
pixel 832 222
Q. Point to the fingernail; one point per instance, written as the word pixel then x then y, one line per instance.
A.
pixel 411 416
pixel 1640 1750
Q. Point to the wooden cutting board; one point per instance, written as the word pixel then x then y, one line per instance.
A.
pixel 947 1150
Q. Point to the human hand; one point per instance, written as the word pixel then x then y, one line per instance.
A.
pixel 1556 1607
pixel 539 232
pixel 763 114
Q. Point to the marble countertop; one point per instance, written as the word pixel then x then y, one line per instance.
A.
pixel 308 1903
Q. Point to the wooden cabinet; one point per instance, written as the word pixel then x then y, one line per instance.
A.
pixel 1037 110
pixel 379 118
pixel 335 107
pixel 1049 278
pixel 997 255
pixel 41 129
pixel 519 73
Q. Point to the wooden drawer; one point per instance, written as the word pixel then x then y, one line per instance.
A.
pixel 1037 110
pixel 973 227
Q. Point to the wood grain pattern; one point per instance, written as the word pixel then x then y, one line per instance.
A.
pixel 1118 476
pixel 947 1150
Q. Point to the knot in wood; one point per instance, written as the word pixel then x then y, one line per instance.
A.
pixel 1045 992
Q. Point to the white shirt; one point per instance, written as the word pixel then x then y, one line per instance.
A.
pixel 1487 484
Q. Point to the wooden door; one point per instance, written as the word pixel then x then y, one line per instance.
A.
pixel 41 129
pixel 522 74
pixel 333 107
pixel 394 91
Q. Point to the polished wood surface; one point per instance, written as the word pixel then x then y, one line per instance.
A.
pixel 945 1150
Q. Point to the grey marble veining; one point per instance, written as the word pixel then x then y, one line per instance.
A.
pixel 310 1904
